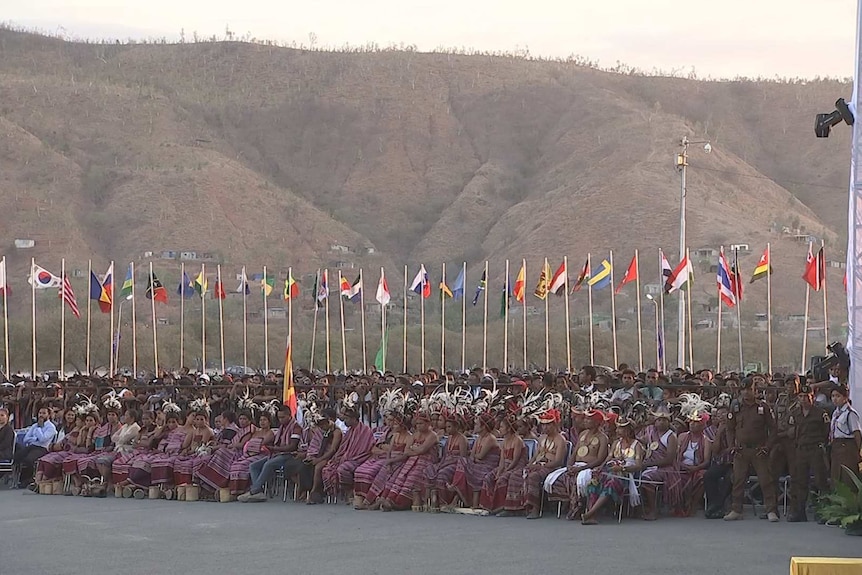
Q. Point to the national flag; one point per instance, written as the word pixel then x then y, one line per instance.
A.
pixel 680 276
pixel 458 286
pixel 483 283
pixel 291 288
pixel 288 396
pixel 520 289
pixel 128 284
pixel 736 277
pixel 763 268
pixel 185 289
pixel 815 269
pixel 666 270
pixel 380 358
pixel 420 284
pixel 218 292
pixel 582 277
pixel 660 344
pixel 845 282
pixel 558 281
pixel 354 291
pixel 41 278
pixel 444 290
pixel 5 289
pixel 505 297
pixel 201 284
pixel 631 274
pixel 600 278
pixel 156 290
pixel 382 296
pixel 267 284
pixel 541 290
pixel 725 281
pixel 323 286
pixel 243 284
pixel 344 287
pixel 101 291
pixel 67 295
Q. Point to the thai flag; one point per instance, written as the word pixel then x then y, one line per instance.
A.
pixel 725 284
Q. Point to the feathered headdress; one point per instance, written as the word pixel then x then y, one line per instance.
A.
pixel 723 400
pixel 349 402
pixel 170 407
pixel 692 407
pixel 200 405
pixel 247 402
pixel 86 406
pixel 392 401
pixel 270 408
pixel 311 414
pixel 111 401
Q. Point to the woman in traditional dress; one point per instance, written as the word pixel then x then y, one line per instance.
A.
pixel 391 464
pixel 438 477
pixel 495 486
pixel 141 467
pixel 196 447
pixel 88 467
pixel 50 465
pixel 591 453
pixel 162 464
pixel 124 441
pixel 355 449
pixel 470 472
pixel 624 458
pixel 660 464
pixel 367 471
pixel 550 455
pixel 404 488
pixel 693 458
pixel 215 473
pixel 83 448
pixel 255 449
pixel 146 437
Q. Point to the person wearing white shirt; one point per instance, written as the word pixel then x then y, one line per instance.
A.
pixel 34 445
pixel 626 393
pixel 845 433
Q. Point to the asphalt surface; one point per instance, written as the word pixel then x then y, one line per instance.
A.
pixel 72 535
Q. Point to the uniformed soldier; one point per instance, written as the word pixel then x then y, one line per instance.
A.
pixel 809 425
pixel 751 430
pixel 782 454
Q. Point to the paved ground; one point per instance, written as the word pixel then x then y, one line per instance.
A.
pixel 72 535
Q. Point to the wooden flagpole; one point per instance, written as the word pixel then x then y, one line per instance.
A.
pixel 568 320
pixel 6 320
pixel 326 324
pixel 506 320
pixel 134 325
pixel 111 311
pixel 464 317
pixel 264 286
pixel 314 323
pixel 382 330
pixel 738 281
pixel 343 339
pixel 825 301
pixel 182 312
pixel 443 326
pixel 613 311
pixel 485 325
pixel 688 312
pixel 769 303
pixel 590 303
pixel 290 311
pixel 245 319
pixel 117 339
pixel 545 272
pixel 422 323
pixel 220 315
pixel 152 290
pixel 524 311
pixel 805 327
pixel 661 281
pixel 718 331
pixel 203 320
pixel 89 313
pixel 62 372
pixel 362 316
pixel 33 311
pixel 404 294
pixel 640 319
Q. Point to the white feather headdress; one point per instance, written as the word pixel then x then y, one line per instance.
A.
pixel 692 405
pixel 246 401
pixel 200 405
pixel 86 407
pixel 170 407
pixel 111 401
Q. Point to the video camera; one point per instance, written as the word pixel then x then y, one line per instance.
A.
pixel 837 356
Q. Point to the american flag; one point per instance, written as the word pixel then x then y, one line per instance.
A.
pixel 68 296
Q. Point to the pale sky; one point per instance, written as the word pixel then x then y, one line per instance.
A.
pixel 726 38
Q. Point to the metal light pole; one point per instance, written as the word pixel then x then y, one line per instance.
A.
pixel 681 164
pixel 658 335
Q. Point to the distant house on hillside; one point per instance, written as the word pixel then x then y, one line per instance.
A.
pixel 147 255
pixel 340 248
pixel 705 253
pixel 168 255
pixel 342 265
pixel 188 256
pixel 836 264
pixel 741 248
pixel 806 239
pixel 24 244
pixel 652 289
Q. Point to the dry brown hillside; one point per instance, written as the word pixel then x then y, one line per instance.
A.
pixel 264 155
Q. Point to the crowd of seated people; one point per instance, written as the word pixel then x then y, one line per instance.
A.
pixel 489 444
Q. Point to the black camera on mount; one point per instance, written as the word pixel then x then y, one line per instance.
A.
pixel 824 122
pixel 837 356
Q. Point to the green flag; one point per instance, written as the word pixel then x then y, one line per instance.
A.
pixel 380 358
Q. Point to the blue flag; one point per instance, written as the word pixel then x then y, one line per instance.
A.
pixel 186 288
pixel 481 287
pixel 458 286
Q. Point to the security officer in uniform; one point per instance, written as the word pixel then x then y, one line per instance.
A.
pixel 809 425
pixel 751 431
pixel 782 454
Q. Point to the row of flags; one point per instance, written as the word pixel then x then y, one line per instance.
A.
pixel 595 277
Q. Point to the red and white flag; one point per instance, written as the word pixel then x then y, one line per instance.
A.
pixel 815 269
pixel 558 282
pixel 383 296
pixel 67 295
pixel 631 274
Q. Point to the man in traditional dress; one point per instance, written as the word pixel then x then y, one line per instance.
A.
pixel 284 448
